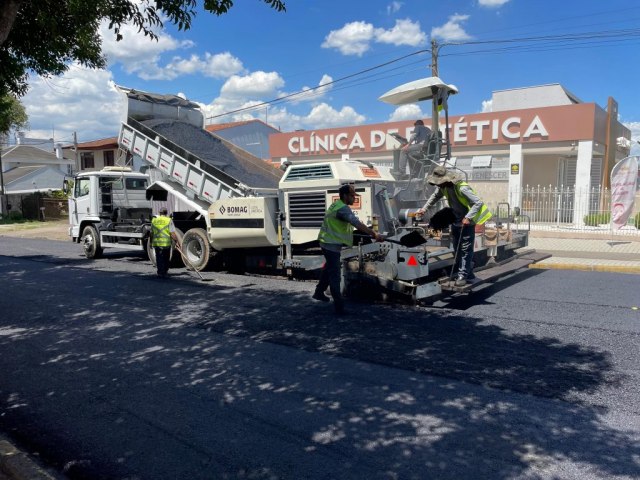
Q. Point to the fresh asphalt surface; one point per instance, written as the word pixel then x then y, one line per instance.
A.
pixel 109 373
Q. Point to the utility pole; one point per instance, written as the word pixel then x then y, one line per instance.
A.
pixel 2 195
pixel 435 121
pixel 75 149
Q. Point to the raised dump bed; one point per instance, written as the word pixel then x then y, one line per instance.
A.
pixel 196 160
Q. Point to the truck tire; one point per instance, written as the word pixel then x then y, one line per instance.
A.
pixel 91 242
pixel 196 249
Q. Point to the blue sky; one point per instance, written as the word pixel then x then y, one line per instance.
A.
pixel 254 54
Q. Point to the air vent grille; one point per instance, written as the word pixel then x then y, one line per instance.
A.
pixel 306 210
pixel 308 172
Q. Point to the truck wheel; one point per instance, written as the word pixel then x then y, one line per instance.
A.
pixel 91 242
pixel 196 249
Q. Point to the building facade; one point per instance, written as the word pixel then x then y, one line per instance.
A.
pixel 250 135
pixel 94 155
pixel 534 136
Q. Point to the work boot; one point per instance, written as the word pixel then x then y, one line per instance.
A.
pixel 460 282
pixel 320 297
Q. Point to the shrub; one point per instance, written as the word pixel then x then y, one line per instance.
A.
pixel 12 217
pixel 595 219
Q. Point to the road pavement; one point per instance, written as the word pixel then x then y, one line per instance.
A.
pixel 116 374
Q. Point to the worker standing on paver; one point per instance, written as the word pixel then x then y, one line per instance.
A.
pixel 336 232
pixel 162 232
pixel 419 137
pixel 468 210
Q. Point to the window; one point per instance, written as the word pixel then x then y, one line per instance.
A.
pixel 108 156
pixel 86 160
pixel 82 187
pixel 136 184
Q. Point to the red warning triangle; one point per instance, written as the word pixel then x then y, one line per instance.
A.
pixel 412 262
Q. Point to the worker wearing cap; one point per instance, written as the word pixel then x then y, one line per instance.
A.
pixel 469 211
pixel 413 149
pixel 162 232
pixel 336 232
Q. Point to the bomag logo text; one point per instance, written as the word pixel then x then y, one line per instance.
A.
pixel 233 209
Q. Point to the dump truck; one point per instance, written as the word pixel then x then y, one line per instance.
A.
pixel 235 212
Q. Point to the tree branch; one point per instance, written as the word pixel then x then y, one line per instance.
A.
pixel 8 13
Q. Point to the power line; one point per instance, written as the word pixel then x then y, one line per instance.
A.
pixel 563 20
pixel 324 85
pixel 539 43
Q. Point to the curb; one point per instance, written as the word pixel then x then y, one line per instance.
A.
pixel 587 268
pixel 17 465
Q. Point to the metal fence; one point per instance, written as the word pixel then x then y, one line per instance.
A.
pixel 567 208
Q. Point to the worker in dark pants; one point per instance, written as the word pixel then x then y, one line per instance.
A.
pixel 335 233
pixel 468 210
pixel 413 150
pixel 162 232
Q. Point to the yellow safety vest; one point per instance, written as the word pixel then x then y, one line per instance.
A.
pixel 482 216
pixel 160 231
pixel 334 230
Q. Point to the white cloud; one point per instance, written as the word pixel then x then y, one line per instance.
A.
pixel 323 87
pixel 394 7
pixel 492 3
pixel 452 31
pixel 325 116
pixel 320 116
pixel 355 38
pixel 635 135
pixel 407 112
pixel 81 100
pixel 241 93
pixel 221 65
pixel 262 85
pixel 139 54
pixel 405 32
pixel 487 106
pixel 352 39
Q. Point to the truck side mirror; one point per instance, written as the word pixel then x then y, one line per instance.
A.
pixel 65 186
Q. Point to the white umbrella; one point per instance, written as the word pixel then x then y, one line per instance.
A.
pixel 417 91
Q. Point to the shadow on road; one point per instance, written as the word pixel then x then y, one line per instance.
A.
pixel 206 365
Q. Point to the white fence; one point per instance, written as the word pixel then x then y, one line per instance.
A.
pixel 565 208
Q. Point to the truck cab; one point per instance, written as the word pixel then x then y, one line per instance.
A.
pixel 108 208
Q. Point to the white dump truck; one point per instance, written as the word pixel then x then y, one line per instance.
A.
pixel 238 213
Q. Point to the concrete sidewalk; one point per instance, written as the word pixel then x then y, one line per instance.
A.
pixel 17 465
pixel 613 254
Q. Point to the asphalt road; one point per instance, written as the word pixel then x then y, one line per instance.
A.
pixel 109 373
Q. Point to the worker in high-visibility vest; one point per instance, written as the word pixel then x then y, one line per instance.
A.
pixel 162 232
pixel 469 211
pixel 337 232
